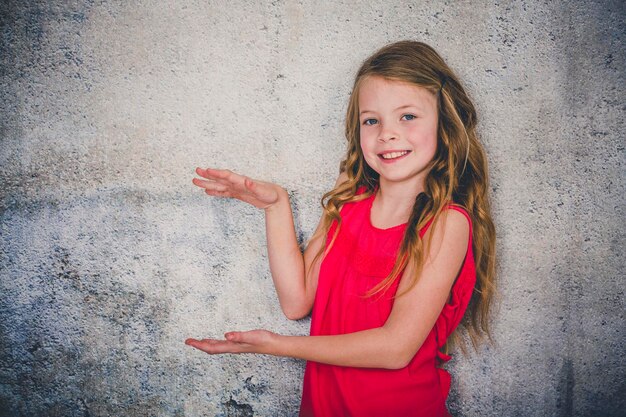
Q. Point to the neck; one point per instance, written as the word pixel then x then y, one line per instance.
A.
pixel 399 193
pixel 396 200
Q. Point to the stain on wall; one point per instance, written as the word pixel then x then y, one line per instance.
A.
pixel 109 258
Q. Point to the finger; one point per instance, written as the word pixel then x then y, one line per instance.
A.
pixel 217 174
pixel 208 184
pixel 215 193
pixel 210 172
pixel 205 172
pixel 228 178
pixel 192 341
pixel 212 346
pixel 210 341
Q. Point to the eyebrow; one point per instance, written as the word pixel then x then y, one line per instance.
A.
pixel 396 109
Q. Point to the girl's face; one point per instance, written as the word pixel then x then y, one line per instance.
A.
pixel 398 130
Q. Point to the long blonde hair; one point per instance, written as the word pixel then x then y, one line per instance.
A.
pixel 458 173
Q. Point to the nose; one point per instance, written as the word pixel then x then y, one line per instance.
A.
pixel 387 133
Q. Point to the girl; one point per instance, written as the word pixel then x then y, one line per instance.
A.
pixel 404 247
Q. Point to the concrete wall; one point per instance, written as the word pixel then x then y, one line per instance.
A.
pixel 110 258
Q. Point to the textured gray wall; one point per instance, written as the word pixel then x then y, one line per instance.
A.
pixel 110 258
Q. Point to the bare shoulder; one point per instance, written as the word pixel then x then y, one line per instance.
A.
pixel 456 222
pixel 451 233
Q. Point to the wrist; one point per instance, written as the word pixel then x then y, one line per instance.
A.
pixel 282 199
pixel 277 345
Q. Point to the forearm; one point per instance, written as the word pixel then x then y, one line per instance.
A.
pixel 373 348
pixel 285 258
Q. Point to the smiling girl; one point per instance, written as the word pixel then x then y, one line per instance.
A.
pixel 403 254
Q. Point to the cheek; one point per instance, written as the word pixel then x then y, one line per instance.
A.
pixel 425 137
pixel 433 133
pixel 369 154
pixel 364 142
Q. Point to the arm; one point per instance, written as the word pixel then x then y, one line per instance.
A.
pixel 394 344
pixel 294 274
pixel 289 267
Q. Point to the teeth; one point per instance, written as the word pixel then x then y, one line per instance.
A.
pixel 392 155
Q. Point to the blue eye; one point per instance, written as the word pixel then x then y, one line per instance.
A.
pixel 408 117
pixel 370 122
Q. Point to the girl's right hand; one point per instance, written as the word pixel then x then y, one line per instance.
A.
pixel 225 183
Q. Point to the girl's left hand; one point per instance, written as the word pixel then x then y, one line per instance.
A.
pixel 253 341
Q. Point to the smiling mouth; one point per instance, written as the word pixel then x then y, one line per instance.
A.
pixel 393 155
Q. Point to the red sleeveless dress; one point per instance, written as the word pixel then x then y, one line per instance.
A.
pixel 362 256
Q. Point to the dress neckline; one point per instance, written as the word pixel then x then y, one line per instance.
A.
pixel 369 217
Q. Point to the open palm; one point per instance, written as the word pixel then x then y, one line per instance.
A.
pixel 225 183
pixel 253 341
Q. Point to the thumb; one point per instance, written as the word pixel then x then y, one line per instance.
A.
pixel 255 188
pixel 233 336
pixel 250 185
